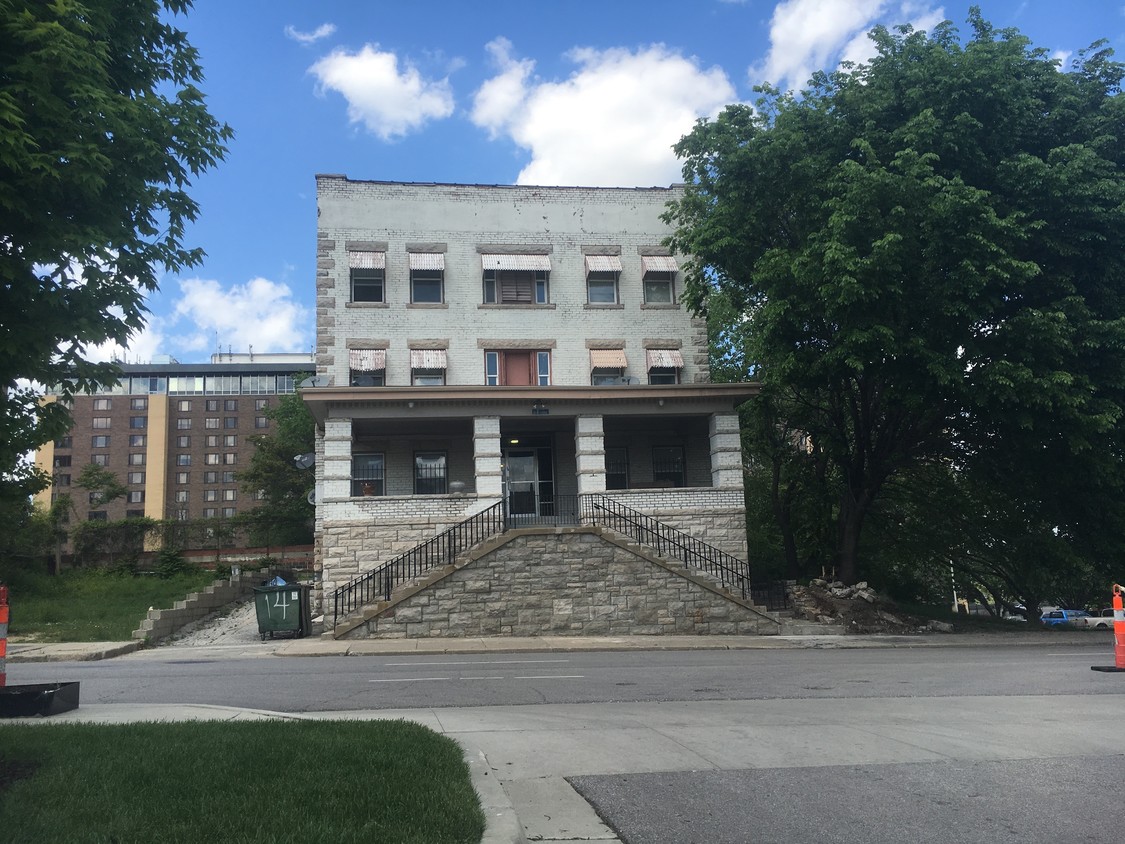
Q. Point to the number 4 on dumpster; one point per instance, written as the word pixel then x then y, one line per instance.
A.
pixel 281 602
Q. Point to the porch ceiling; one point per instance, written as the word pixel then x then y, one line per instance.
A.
pixel 530 402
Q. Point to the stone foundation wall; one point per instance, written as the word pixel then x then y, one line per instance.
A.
pixel 714 516
pixel 160 624
pixel 564 582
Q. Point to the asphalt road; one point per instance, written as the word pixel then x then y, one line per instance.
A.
pixel 400 682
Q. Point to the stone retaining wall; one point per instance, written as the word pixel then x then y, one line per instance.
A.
pixel 160 624
pixel 564 582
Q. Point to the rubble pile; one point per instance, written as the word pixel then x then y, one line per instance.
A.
pixel 857 609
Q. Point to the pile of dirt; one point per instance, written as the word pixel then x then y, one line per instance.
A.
pixel 857 609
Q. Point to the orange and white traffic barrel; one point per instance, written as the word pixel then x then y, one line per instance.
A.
pixel 3 635
pixel 1118 633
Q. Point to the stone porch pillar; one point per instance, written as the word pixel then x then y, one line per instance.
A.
pixel 336 460
pixel 589 449
pixel 487 457
pixel 726 450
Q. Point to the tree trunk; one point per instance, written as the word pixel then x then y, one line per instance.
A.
pixel 853 510
pixel 782 510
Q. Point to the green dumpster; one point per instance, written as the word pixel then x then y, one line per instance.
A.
pixel 283 608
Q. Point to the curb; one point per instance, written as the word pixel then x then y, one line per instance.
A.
pixel 69 651
pixel 502 825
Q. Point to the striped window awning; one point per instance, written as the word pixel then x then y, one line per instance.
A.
pixel 367 260
pixel 427 358
pixel 607 359
pixel 539 263
pixel 658 264
pixel 367 360
pixel 603 264
pixel 664 359
pixel 427 260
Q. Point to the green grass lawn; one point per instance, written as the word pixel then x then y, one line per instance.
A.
pixel 272 781
pixel 90 605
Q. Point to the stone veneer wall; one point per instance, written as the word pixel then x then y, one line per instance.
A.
pixel 564 582
pixel 714 516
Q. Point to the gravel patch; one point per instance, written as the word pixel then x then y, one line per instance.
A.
pixel 235 624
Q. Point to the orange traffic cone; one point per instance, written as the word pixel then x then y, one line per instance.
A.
pixel 1118 634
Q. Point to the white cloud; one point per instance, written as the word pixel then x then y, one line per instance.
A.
pixel 811 35
pixel 260 313
pixel 388 102
pixel 612 122
pixel 1062 57
pixel 306 38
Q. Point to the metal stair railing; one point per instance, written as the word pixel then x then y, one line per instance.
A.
pixel 439 550
pixel 732 573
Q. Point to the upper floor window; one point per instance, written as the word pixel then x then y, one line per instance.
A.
pixel 63 442
pixel 99 441
pixel 367 367
pixel 211 405
pixel 602 274
pixel 138 404
pixel 607 366
pixel 99 459
pixel 261 404
pixel 103 404
pixel 659 274
pixel 427 277
pixel 427 367
pixel 230 405
pixel 517 368
pixel 184 405
pixel 136 440
pixel 183 441
pixel 664 365
pixel 61 461
pixel 136 422
pixel 183 423
pixel 367 271
pixel 100 423
pixel 516 279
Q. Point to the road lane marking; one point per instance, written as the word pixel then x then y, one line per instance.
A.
pixel 481 662
pixel 409 680
pixel 553 677
pixel 498 677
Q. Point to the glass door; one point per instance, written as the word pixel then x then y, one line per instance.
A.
pixel 521 482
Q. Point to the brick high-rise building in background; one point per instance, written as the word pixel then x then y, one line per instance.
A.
pixel 175 434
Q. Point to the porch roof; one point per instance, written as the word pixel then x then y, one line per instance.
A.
pixel 558 401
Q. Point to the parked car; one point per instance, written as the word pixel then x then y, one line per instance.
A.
pixel 1064 618
pixel 1102 620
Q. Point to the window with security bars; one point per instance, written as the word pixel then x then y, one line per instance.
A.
pixel 429 473
pixel 668 465
pixel 368 474
pixel 516 287
pixel 616 468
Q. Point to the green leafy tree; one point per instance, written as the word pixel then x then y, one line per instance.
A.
pixel 101 484
pixel 102 129
pixel 285 516
pixel 928 250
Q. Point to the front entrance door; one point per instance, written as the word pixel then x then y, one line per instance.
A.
pixel 529 481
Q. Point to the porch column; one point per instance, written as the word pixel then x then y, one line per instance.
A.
pixel 337 459
pixel 487 456
pixel 589 449
pixel 726 450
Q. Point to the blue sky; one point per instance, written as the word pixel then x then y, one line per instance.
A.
pixel 503 92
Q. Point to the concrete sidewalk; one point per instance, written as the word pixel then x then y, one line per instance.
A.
pixel 327 646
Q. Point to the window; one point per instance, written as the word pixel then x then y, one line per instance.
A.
pixel 664 366
pixel 427 275
pixel 367 270
pixel 668 465
pixel 367 474
pixel 135 477
pixel 211 459
pixel 183 459
pixel 100 459
pixel 99 441
pixel 607 366
pixel 183 477
pixel 228 512
pixel 136 458
pixel 103 404
pixel 516 287
pixel 135 496
pixel 230 422
pixel 261 404
pixel 62 480
pixel 212 441
pixel 517 368
pixel 230 405
pixel 230 440
pixel 230 458
pixel 181 514
pixel 210 477
pixel 96 516
pixel 230 495
pixel 261 422
pixel 134 514
pixel 209 512
pixel 211 422
pixel 183 441
pixel 228 477
pixel 137 422
pixel 210 495
pixel 211 405
pixel 427 367
pixel 616 468
pixel 183 424
pixel 61 461
pixel 138 404
pixel 659 274
pixel 184 405
pixel 367 367
pixel 136 440
pixel 602 274
pixel 100 423
pixel 429 473
pixel 63 442
pixel 181 496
